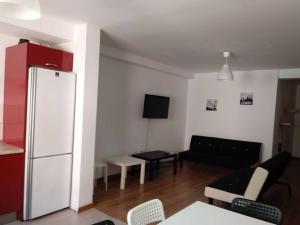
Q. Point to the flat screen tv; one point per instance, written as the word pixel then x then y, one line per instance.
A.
pixel 156 107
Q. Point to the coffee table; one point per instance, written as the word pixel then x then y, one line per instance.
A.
pixel 154 157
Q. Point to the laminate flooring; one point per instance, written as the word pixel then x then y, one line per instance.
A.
pixel 177 192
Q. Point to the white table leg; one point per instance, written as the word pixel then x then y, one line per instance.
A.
pixel 142 178
pixel 123 177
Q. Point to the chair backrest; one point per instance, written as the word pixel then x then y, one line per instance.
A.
pixel 256 183
pixel 257 210
pixel 146 213
pixel 276 167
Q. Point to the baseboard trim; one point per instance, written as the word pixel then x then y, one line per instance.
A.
pixel 86 207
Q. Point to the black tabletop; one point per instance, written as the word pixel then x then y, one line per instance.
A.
pixel 153 155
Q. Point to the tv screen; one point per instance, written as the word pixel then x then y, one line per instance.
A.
pixel 156 106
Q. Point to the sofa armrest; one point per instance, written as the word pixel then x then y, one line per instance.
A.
pixel 256 183
pixel 221 195
pixel 255 165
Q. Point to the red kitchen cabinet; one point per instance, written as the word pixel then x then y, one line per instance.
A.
pixel 11 183
pixel 18 59
pixel 48 57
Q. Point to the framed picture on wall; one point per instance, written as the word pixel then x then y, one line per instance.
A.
pixel 211 104
pixel 246 98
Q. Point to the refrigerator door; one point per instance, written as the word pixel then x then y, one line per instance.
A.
pixel 50 185
pixel 51 110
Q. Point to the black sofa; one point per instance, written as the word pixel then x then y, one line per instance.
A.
pixel 276 167
pixel 222 152
pixel 239 182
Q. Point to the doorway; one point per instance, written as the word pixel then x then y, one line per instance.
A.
pixel 287 117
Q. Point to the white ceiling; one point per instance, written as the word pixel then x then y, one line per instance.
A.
pixel 191 34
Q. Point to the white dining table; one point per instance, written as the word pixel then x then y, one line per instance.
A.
pixel 200 213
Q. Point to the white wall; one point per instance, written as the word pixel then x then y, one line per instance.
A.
pixel 86 48
pixel 5 42
pixel 289 73
pixel 46 29
pixel 87 90
pixel 232 120
pixel 120 126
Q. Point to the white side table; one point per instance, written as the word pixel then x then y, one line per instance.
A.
pixel 104 168
pixel 124 162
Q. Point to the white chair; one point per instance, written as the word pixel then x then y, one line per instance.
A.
pixel 146 213
pixel 104 167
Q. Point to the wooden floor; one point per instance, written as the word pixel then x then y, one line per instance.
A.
pixel 177 192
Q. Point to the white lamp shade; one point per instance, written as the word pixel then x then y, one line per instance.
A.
pixel 20 9
pixel 226 73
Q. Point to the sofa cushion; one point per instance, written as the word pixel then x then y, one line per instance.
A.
pixel 229 187
pixel 241 149
pixel 246 183
pixel 216 159
pixel 236 182
pixel 276 167
pixel 200 157
pixel 203 144
pixel 222 152
pixel 221 195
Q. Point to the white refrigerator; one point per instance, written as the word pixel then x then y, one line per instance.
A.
pixel 49 141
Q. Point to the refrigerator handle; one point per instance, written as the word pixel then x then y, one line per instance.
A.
pixel 29 141
pixel 51 64
pixel 31 111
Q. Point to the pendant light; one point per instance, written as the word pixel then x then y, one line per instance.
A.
pixel 20 9
pixel 226 73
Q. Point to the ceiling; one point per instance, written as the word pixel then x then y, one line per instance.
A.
pixel 191 34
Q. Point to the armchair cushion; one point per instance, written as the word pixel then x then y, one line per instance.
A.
pixel 245 183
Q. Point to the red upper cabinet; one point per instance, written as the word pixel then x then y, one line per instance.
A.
pixel 18 59
pixel 48 57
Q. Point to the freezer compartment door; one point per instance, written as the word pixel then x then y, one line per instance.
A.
pixel 51 112
pixel 50 185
